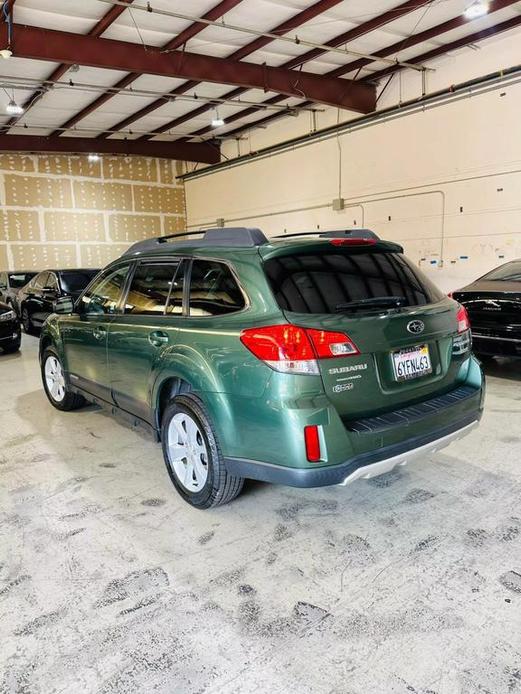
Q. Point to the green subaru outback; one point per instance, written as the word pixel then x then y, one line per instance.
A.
pixel 304 361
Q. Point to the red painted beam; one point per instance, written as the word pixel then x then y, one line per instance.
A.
pixel 390 50
pixel 98 29
pixel 345 37
pixel 206 153
pixel 188 33
pixel 65 47
pixel 452 46
pixel 292 23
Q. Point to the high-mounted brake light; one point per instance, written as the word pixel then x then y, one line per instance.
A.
pixel 291 349
pixel 463 320
pixel 353 241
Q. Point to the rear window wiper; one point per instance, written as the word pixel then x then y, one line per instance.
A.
pixel 375 302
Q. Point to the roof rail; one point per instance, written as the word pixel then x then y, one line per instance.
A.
pixel 341 233
pixel 236 237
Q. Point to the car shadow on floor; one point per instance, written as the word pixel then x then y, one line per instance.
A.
pixel 503 367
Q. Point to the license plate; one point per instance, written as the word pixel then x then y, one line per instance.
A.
pixel 412 362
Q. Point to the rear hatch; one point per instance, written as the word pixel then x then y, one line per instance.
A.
pixel 401 325
pixel 494 307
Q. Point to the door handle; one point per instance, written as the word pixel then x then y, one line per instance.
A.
pixel 99 333
pixel 158 338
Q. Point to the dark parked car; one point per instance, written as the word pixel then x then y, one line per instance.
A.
pixel 11 283
pixel 9 329
pixel 36 299
pixel 302 361
pixel 493 303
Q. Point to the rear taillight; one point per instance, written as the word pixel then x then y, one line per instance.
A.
pixel 450 295
pixel 291 349
pixel 463 341
pixel 463 320
pixel 353 242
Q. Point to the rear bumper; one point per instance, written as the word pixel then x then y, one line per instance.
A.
pixel 364 466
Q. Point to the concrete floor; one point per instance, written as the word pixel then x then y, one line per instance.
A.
pixel 110 583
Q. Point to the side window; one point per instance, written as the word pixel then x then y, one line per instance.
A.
pixel 175 301
pixel 40 280
pixel 213 290
pixel 103 297
pixel 51 282
pixel 150 288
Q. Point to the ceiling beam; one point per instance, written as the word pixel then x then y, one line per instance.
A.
pixel 345 37
pixel 206 153
pixel 69 48
pixel 297 20
pixel 98 29
pixel 220 9
pixel 453 45
pixel 433 32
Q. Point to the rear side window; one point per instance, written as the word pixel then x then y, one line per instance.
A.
pixel 19 279
pixel 510 272
pixel 320 283
pixel 150 289
pixel 74 281
pixel 214 290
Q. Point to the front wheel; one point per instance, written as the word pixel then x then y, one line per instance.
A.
pixel 192 455
pixel 56 388
pixel 27 322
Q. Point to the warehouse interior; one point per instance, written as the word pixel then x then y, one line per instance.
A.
pixel 122 121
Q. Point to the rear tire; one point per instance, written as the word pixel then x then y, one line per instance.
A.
pixel 55 384
pixel 193 458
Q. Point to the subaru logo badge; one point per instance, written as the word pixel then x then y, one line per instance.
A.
pixel 416 327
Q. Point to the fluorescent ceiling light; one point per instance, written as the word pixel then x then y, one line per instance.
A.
pixel 477 9
pixel 93 157
pixel 13 109
pixel 217 122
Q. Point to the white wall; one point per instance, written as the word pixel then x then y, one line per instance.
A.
pixel 445 182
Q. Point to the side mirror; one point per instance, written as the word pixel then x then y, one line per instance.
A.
pixel 64 305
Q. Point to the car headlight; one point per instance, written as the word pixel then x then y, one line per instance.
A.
pixel 10 315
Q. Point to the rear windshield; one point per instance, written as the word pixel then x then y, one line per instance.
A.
pixel 75 281
pixel 323 283
pixel 19 279
pixel 511 272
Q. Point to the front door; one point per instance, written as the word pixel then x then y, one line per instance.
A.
pixel 140 335
pixel 85 332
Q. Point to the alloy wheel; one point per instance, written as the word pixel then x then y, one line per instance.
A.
pixel 187 452
pixel 54 379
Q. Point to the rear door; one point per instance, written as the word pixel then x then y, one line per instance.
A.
pixel 145 329
pixel 405 353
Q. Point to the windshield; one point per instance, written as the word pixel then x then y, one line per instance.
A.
pixel 76 280
pixel 332 281
pixel 19 279
pixel 511 272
